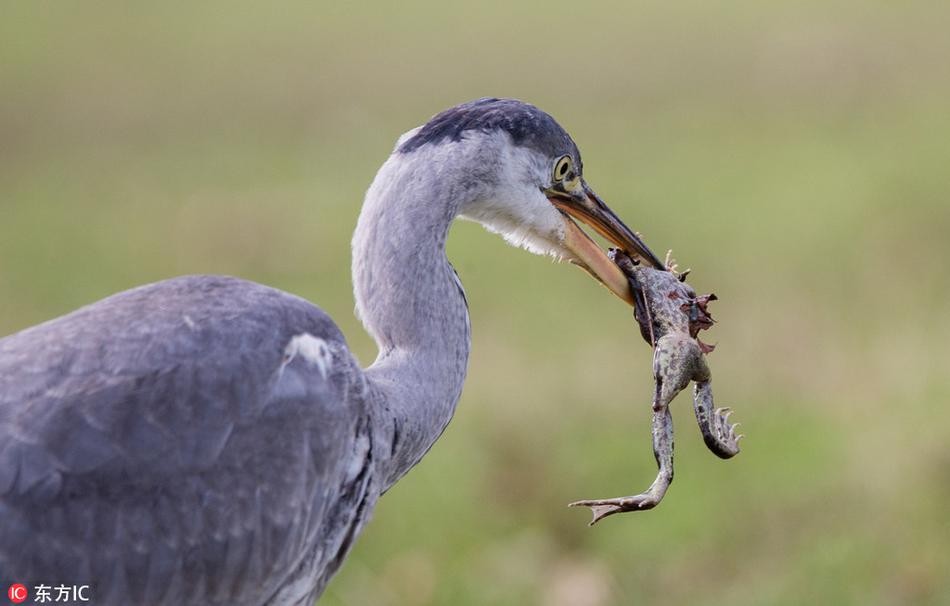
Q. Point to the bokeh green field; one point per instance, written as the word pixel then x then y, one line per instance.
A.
pixel 795 155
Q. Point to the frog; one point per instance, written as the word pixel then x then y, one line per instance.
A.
pixel 671 315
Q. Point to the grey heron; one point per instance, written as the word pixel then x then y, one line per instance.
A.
pixel 208 440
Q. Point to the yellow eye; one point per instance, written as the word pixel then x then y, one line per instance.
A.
pixel 563 169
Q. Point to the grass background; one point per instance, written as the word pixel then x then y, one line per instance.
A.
pixel 794 154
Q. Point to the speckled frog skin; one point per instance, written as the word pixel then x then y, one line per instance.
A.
pixel 671 315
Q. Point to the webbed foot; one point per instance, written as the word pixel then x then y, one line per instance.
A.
pixel 718 434
pixel 725 433
pixel 601 508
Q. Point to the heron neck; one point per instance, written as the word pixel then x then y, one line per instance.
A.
pixel 410 300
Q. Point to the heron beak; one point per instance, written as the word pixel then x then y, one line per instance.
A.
pixel 588 208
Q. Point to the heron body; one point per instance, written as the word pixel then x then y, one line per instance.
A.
pixel 170 445
pixel 207 440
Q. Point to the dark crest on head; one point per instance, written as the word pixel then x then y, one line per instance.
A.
pixel 527 125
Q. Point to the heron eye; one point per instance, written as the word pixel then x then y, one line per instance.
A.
pixel 562 167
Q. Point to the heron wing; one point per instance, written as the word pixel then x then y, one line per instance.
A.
pixel 185 442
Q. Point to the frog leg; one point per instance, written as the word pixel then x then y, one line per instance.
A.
pixel 667 385
pixel 719 435
pixel 663 451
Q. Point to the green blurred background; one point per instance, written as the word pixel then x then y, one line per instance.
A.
pixel 794 154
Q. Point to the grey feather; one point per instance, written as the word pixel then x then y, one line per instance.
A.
pixel 162 452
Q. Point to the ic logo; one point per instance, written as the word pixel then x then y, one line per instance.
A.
pixel 17 593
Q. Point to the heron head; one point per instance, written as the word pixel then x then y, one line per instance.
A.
pixel 520 174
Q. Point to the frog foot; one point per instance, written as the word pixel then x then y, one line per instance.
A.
pixel 601 508
pixel 720 436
